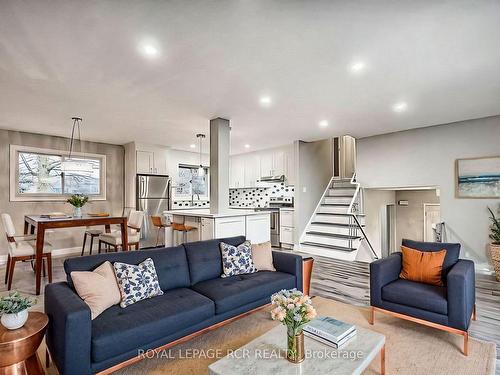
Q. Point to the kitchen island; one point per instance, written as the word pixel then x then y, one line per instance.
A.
pixel 254 225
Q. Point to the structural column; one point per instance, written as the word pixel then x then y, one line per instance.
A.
pixel 219 165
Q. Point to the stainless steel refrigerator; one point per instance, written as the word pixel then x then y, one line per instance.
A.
pixel 153 197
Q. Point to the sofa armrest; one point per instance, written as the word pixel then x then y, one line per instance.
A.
pixel 461 289
pixel 289 263
pixel 383 272
pixel 69 331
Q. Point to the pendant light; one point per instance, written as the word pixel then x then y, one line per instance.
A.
pixel 79 164
pixel 201 170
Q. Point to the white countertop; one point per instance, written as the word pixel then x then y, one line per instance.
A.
pixel 203 212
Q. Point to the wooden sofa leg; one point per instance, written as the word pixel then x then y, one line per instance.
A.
pixel 466 343
pixel 47 358
pixel 474 314
pixel 371 318
pixel 307 267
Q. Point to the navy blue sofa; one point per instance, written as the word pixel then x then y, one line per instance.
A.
pixel 449 307
pixel 195 297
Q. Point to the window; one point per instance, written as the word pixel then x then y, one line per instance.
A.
pixel 189 183
pixel 37 174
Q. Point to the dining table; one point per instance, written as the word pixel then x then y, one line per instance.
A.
pixel 38 224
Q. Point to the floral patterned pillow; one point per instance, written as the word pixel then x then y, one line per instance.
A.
pixel 236 260
pixel 137 282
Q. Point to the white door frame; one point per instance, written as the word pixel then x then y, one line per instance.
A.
pixel 425 211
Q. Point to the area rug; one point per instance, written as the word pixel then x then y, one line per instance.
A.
pixel 410 348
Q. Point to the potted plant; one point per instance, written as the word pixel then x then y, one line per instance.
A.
pixel 14 310
pixel 294 310
pixel 495 242
pixel 78 201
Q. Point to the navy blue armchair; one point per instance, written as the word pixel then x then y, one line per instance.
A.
pixel 449 307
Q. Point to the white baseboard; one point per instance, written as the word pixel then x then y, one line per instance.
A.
pixel 55 253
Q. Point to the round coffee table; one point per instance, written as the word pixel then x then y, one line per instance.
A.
pixel 18 347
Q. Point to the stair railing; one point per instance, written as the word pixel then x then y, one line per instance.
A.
pixel 355 207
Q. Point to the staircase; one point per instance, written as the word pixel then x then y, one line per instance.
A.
pixel 335 230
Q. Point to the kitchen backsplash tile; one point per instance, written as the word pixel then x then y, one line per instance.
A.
pixel 187 203
pixel 258 197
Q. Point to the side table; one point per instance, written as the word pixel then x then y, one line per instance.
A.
pixel 18 347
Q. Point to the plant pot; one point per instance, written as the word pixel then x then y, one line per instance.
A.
pixel 15 321
pixel 295 347
pixel 495 257
pixel 77 212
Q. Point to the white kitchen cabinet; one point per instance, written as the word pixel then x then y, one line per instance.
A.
pixel 286 236
pixel 237 172
pixel 207 229
pixel 251 169
pixel 272 163
pixel 258 228
pixel 278 163
pixel 287 227
pixel 266 164
pixel 144 161
pixel 229 226
pixel 290 166
pixel 151 161
pixel 286 218
pixel 160 162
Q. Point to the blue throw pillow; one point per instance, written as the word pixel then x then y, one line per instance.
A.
pixel 236 260
pixel 137 282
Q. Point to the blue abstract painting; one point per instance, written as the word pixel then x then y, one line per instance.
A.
pixel 478 178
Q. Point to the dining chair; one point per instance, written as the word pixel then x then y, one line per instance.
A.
pixel 22 248
pixel 95 233
pixel 114 239
pixel 160 225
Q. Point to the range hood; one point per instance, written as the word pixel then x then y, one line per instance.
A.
pixel 280 178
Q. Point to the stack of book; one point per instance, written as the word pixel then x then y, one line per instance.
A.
pixel 329 331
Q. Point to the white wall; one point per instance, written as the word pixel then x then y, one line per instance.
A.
pixel 374 202
pixel 314 170
pixel 426 157
pixel 410 219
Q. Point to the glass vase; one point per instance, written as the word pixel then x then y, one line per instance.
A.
pixel 77 212
pixel 295 347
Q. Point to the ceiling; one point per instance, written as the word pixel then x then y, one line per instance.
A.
pixel 64 58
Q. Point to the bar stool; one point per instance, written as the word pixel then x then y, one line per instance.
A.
pixel 159 224
pixel 182 228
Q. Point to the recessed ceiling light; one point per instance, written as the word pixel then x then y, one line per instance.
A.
pixel 357 67
pixel 323 123
pixel 265 101
pixel 400 107
pixel 149 48
pixel 192 145
pixel 247 146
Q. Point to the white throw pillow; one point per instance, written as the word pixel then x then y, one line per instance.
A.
pixel 262 256
pixel 98 288
pixel 137 282
pixel 236 260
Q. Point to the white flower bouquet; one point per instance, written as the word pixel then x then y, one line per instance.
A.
pixel 294 310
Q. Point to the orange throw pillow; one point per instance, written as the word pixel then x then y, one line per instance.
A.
pixel 422 266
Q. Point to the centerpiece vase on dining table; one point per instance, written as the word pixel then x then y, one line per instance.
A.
pixel 77 201
pixel 294 310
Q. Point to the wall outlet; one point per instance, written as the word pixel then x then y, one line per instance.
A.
pixel 304 189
